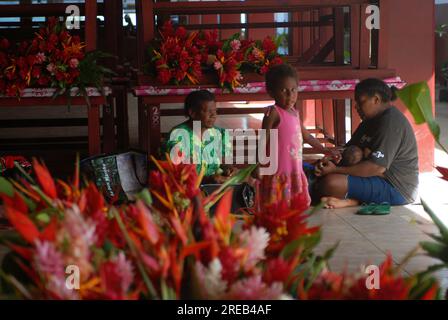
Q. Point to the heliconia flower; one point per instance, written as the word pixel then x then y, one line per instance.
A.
pixel 258 54
pixel 269 45
pixel 253 288
pixel 235 44
pixel 255 240
pixel 73 63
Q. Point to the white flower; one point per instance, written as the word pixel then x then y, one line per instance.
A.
pixel 212 285
pixel 255 240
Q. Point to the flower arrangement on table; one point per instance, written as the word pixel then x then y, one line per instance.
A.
pixel 52 59
pixel 181 57
pixel 166 246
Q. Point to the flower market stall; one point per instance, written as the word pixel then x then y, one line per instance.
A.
pixel 207 54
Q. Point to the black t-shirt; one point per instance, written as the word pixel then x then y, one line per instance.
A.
pixel 392 143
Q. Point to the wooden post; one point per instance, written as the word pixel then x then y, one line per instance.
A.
pixel 94 129
pixel 355 119
pixel 339 122
pixel 339 35
pixel 355 26
pixel 109 126
pixel 153 142
pixel 383 50
pixel 145 28
pixel 90 28
pixel 142 124
pixel 364 40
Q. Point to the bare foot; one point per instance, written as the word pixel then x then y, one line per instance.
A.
pixel 335 203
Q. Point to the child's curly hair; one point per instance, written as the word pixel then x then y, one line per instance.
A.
pixel 278 72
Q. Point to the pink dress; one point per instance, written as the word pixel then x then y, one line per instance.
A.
pixel 290 180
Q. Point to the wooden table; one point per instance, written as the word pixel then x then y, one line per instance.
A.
pixel 40 97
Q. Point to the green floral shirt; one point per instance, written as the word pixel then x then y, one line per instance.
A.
pixel 208 155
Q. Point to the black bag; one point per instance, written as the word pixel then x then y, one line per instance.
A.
pixel 243 196
pixel 120 176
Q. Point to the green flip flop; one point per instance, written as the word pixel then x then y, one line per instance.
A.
pixel 367 209
pixel 382 209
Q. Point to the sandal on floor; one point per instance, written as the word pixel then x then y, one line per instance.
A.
pixel 382 209
pixel 366 209
pixel 374 209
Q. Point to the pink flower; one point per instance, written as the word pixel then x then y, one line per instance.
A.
pixel 124 268
pixel 51 68
pixel 73 63
pixel 48 260
pixel 217 65
pixel 235 44
pixel 40 57
pixel 254 288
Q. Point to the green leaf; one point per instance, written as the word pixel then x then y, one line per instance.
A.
pixel 145 196
pixel 442 227
pixel 242 175
pixel 6 187
pixel 416 97
pixel 306 242
pixel 436 250
pixel 43 217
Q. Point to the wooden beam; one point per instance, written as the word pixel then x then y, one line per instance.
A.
pixel 339 35
pixel 260 6
pixel 145 29
pixel 355 12
pixel 42 10
pixel 383 47
pixel 364 40
pixel 324 52
pixel 91 29
pixel 339 122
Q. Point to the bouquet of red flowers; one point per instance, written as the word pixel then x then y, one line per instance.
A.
pixel 58 55
pixel 53 58
pixel 263 55
pixel 178 59
pixel 16 67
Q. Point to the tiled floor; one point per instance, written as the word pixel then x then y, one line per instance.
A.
pixel 366 240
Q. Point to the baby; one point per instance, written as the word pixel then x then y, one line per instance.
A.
pixel 353 155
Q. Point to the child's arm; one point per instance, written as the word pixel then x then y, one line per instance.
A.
pixel 312 141
pixel 270 121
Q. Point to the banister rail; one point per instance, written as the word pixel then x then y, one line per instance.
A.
pixel 261 6
pixel 42 10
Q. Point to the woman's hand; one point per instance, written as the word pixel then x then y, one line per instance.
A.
pixel 324 167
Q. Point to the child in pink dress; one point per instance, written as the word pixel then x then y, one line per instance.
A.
pixel 289 180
